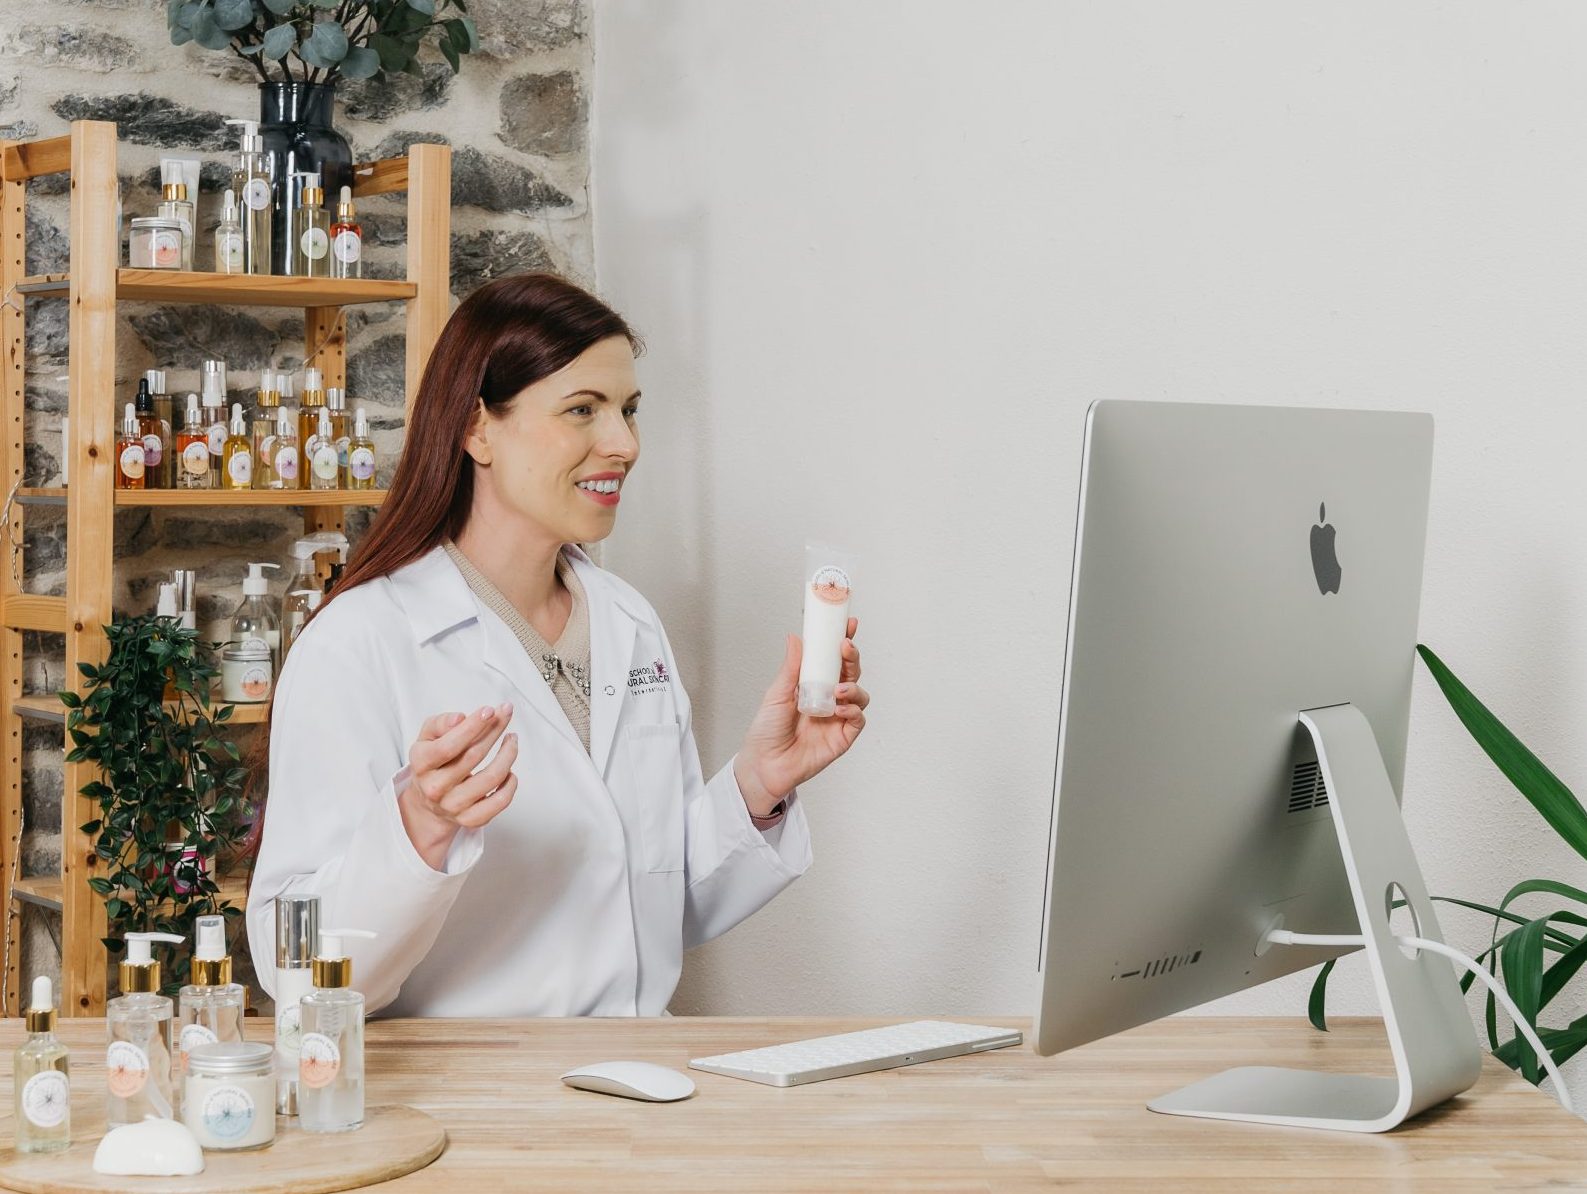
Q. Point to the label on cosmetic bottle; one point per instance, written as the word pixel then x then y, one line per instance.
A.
pixel 287 463
pixel 315 243
pixel 240 468
pixel 256 194
pixel 195 458
pixel 348 246
pixel 325 464
pixel 361 462
pixel 166 247
pixel 289 1029
pixel 227 1112
pixel 319 1060
pixel 217 439
pixel 45 1098
pixel 127 1069
pixel 153 451
pixel 228 250
pixel 132 461
pixel 830 584
pixel 192 1036
pixel 343 443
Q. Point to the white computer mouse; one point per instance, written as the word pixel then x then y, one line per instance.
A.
pixel 632 1080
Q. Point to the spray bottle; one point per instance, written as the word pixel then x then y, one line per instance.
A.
pixel 210 1008
pixel 138 1061
pixel 331 1053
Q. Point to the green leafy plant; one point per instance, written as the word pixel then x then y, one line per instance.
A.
pixel 168 782
pixel 1537 956
pixel 351 39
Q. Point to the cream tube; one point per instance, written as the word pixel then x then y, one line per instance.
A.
pixel 828 589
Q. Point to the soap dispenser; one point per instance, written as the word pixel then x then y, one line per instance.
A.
pixel 256 616
pixel 138 1060
pixel 331 1051
pixel 209 1009
pixel 43 1111
pixel 250 179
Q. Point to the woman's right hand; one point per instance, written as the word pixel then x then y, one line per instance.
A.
pixel 445 793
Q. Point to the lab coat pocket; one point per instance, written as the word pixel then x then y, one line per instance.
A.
pixel 654 759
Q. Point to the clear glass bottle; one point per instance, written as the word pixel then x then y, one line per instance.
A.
pixel 214 395
pixel 176 205
pixel 341 428
pixel 286 450
pixel 129 452
pixel 263 431
pixel 209 1009
pixel 251 181
pixel 138 1060
pixel 361 454
pixel 347 240
pixel 331 1051
pixel 192 450
pixel 312 404
pixel 237 466
pixel 229 255
pixel 156 438
pixel 309 246
pixel 161 401
pixel 323 467
pixel 43 1108
pixel 256 616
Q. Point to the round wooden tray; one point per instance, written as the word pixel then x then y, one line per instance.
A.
pixel 393 1141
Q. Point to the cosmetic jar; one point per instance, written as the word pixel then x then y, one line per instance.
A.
pixel 229 1100
pixel 245 672
pixel 155 243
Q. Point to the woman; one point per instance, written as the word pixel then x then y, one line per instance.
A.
pixel 480 747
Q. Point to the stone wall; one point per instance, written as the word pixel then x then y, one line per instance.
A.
pixel 517 119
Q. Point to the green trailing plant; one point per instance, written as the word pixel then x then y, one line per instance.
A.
pixel 1537 956
pixel 168 782
pixel 328 39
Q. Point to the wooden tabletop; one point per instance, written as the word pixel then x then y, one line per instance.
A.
pixel 1001 1120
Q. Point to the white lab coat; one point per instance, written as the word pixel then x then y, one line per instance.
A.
pixel 580 898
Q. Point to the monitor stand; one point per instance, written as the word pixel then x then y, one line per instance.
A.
pixel 1430 1033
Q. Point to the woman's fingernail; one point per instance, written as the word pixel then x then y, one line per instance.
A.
pixel 486 713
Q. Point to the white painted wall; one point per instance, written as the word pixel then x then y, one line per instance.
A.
pixel 885 253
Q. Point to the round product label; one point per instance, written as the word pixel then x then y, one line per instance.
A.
pixel 287 463
pixel 217 438
pixel 229 249
pixel 132 461
pixel 319 1060
pixel 256 194
pixel 289 1029
pixel 348 247
pixel 831 584
pixel 228 1112
pixel 45 1098
pixel 191 1037
pixel 361 462
pixel 343 443
pixel 240 468
pixel 315 243
pixel 326 465
pixel 195 458
pixel 153 451
pixel 167 247
pixel 127 1069
pixel 256 682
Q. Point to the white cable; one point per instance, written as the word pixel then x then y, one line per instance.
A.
pixel 1285 937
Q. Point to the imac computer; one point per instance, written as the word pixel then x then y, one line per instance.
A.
pixel 1231 746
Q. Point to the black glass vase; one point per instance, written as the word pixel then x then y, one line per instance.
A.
pixel 295 122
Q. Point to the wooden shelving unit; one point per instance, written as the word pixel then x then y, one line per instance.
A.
pixel 93 285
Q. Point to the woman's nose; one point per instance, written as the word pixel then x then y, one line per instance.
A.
pixel 618 439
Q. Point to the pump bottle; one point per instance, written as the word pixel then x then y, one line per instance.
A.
pixel 129 452
pixel 210 1008
pixel 177 205
pixel 138 1061
pixel 331 1053
pixel 256 616
pixel 192 450
pixel 309 249
pixel 304 590
pixel 297 929
pixel 252 183
pixel 237 468
pixel 43 1109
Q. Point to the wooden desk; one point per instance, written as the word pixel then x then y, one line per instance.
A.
pixel 1003 1120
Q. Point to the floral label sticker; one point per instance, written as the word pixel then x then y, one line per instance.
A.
pixel 256 683
pixel 192 1036
pixel 153 451
pixel 217 438
pixel 195 458
pixel 256 194
pixel 319 1060
pixel 167 249
pixel 315 243
pixel 287 464
pixel 228 1112
pixel 325 463
pixel 348 247
pixel 229 248
pixel 45 1098
pixel 830 584
pixel 132 461
pixel 289 1030
pixel 361 462
pixel 128 1068
pixel 240 466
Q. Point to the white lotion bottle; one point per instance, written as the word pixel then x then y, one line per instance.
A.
pixel 828 589
pixel 209 1009
pixel 331 1053
pixel 138 1021
pixel 297 932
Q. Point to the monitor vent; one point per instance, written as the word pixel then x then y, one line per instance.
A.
pixel 1161 966
pixel 1307 789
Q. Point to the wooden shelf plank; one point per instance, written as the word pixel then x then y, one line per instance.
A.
pixel 42 496
pixel 242 290
pixel 44 706
pixel 41 890
pixel 250 497
pixel 380 178
pixel 29 612
pixel 33 158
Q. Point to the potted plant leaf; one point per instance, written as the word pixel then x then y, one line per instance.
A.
pixel 1536 956
pixel 169 793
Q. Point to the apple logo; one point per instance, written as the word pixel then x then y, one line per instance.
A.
pixel 1324 562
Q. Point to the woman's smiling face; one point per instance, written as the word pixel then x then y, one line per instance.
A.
pixel 560 453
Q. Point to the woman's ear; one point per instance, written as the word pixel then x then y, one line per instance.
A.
pixel 477 444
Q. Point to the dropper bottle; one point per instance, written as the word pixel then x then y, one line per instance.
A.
pixel 129 451
pixel 331 1053
pixel 286 450
pixel 229 256
pixel 210 1008
pixel 192 450
pixel 43 1109
pixel 138 1061
pixel 347 240
pixel 324 469
pixel 238 465
pixel 361 454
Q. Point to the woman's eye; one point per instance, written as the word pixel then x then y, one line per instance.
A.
pixel 580 410
pixel 630 412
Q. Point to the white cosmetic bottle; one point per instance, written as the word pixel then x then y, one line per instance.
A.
pixel 209 1009
pixel 828 588
pixel 331 1054
pixel 297 931
pixel 138 1059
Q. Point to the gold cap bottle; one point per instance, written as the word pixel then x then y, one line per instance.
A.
pixel 41 1013
pixel 140 973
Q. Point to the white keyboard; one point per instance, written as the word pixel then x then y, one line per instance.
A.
pixel 857 1052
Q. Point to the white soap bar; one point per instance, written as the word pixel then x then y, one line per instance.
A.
pixel 154 1148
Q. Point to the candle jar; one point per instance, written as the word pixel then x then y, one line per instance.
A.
pixel 245 672
pixel 155 243
pixel 229 1100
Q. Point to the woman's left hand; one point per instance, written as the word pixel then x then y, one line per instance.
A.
pixel 784 747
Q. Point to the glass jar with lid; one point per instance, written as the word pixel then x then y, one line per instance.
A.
pixel 155 243
pixel 229 1099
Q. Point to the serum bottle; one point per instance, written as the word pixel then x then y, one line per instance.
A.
pixel 209 1009
pixel 43 1112
pixel 285 447
pixel 347 240
pixel 331 1052
pixel 237 467
pixel 309 249
pixel 138 1061
pixel 361 454
pixel 229 255
pixel 214 391
pixel 192 450
pixel 129 451
pixel 156 437
pixel 324 468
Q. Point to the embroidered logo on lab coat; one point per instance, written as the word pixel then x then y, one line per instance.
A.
pixel 651 678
